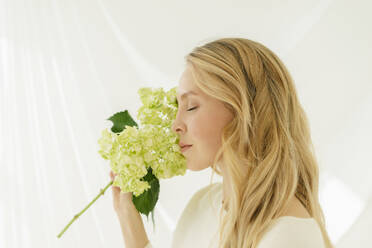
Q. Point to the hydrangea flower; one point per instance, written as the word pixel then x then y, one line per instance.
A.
pixel 140 156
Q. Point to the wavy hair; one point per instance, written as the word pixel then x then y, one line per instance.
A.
pixel 268 138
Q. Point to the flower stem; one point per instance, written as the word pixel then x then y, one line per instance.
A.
pixel 102 191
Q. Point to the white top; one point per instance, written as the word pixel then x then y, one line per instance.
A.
pixel 198 225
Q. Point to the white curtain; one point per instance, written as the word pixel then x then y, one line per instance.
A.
pixel 66 66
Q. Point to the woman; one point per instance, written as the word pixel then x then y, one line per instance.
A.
pixel 239 113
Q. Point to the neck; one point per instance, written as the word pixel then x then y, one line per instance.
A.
pixel 226 183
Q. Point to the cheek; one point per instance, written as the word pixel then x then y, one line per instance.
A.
pixel 206 131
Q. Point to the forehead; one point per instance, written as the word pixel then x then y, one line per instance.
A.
pixel 186 85
pixel 185 95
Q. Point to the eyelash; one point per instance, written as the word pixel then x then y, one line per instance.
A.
pixel 192 109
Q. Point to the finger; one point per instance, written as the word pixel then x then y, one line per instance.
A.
pixel 114 188
pixel 112 175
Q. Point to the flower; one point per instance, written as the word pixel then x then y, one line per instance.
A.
pixel 140 156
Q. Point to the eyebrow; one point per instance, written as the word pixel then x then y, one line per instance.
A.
pixel 186 94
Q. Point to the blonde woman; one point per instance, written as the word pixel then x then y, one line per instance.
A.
pixel 239 114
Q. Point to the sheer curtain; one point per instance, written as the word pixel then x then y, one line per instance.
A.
pixel 66 66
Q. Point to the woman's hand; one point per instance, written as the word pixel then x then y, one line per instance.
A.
pixel 130 220
pixel 121 201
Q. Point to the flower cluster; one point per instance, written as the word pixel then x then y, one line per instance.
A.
pixel 140 156
pixel 135 149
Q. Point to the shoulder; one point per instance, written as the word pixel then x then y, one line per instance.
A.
pixel 291 232
pixel 203 198
pixel 213 188
pixel 198 208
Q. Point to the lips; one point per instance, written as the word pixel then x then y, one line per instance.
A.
pixel 186 147
pixel 183 145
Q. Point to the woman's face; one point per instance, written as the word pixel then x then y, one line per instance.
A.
pixel 199 122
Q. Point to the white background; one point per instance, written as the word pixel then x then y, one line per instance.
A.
pixel 66 66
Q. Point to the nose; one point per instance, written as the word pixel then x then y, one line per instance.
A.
pixel 177 125
pixel 174 126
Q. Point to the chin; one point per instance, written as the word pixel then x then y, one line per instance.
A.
pixel 195 168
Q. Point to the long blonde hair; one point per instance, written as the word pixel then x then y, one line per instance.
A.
pixel 268 138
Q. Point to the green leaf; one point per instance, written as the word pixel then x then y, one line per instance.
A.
pixel 120 120
pixel 145 203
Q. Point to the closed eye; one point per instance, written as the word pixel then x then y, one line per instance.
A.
pixel 192 109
